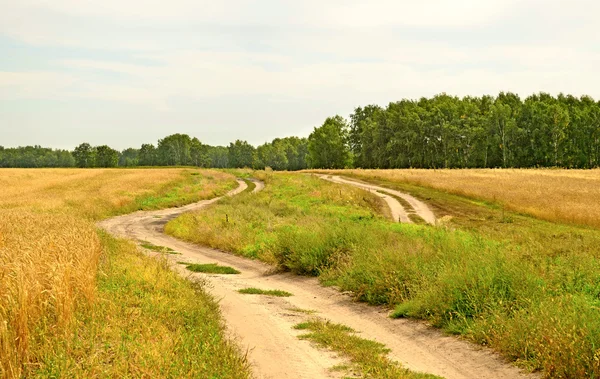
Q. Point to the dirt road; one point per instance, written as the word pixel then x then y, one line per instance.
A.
pixel 263 325
pixel 399 212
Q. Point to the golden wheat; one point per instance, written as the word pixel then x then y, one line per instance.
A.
pixel 49 247
pixel 554 195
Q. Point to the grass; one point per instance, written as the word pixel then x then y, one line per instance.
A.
pixel 301 310
pixel 527 287
pixel 550 194
pixel 251 185
pixel 145 322
pixel 77 303
pixel 159 249
pixel 258 291
pixel 210 268
pixel 95 194
pixel 369 358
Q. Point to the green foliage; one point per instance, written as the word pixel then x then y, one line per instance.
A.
pixel 218 156
pixel 368 357
pixel 129 157
pixel 85 155
pixel 147 321
pixel 440 132
pixel 35 156
pixel 199 154
pixel 184 191
pixel 528 288
pixel 282 154
pixel 328 145
pixel 258 291
pixel 156 248
pixel 450 132
pixel 148 155
pixel 210 268
pixel 240 154
pixel 106 157
pixel 174 150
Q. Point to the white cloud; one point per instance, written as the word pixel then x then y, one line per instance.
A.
pixel 184 58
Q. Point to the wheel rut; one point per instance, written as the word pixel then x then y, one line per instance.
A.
pixel 262 325
pixel 400 213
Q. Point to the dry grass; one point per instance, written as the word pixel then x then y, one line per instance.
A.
pixel 98 193
pixel 50 250
pixel 553 195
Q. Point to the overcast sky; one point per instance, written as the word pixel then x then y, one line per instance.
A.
pixel 127 72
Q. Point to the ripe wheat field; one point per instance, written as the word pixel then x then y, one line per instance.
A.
pixel 553 195
pixel 50 249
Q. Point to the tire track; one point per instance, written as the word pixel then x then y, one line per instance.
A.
pixel 263 325
pixel 399 212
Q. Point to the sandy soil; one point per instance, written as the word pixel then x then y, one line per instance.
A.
pixel 399 213
pixel 263 325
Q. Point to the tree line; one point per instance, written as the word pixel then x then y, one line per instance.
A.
pixel 174 150
pixel 439 132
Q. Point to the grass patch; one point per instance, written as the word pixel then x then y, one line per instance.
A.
pixel 258 291
pixel 251 186
pixel 192 187
pixel 528 288
pixel 158 249
pixel 304 311
pixel 366 356
pixel 209 268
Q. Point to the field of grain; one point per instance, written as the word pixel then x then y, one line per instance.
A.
pixel 553 195
pixel 51 252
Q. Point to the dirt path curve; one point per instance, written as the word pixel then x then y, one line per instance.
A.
pixel 263 325
pixel 399 213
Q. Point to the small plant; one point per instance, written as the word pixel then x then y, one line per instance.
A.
pixel 300 310
pixel 209 268
pixel 258 291
pixel 366 356
pixel 156 248
pixel 251 186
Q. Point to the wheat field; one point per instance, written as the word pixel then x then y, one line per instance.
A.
pixel 553 195
pixel 50 249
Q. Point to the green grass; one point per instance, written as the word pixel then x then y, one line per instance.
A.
pixel 526 287
pixel 146 322
pixel 258 291
pixel 192 187
pixel 209 268
pixel 158 249
pixel 251 186
pixel 366 356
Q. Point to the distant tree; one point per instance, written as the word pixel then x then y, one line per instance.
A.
pixel 199 153
pixel 218 156
pixel 106 156
pixel 174 150
pixel 147 155
pixel 129 157
pixel 240 154
pixel 328 145
pixel 85 155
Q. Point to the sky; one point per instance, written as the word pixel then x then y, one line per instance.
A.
pixel 123 73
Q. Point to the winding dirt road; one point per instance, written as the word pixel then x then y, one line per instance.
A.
pixel 399 212
pixel 263 325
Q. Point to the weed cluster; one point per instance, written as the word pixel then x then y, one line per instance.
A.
pixel 210 268
pixel 528 288
pixel 258 291
pixel 367 357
